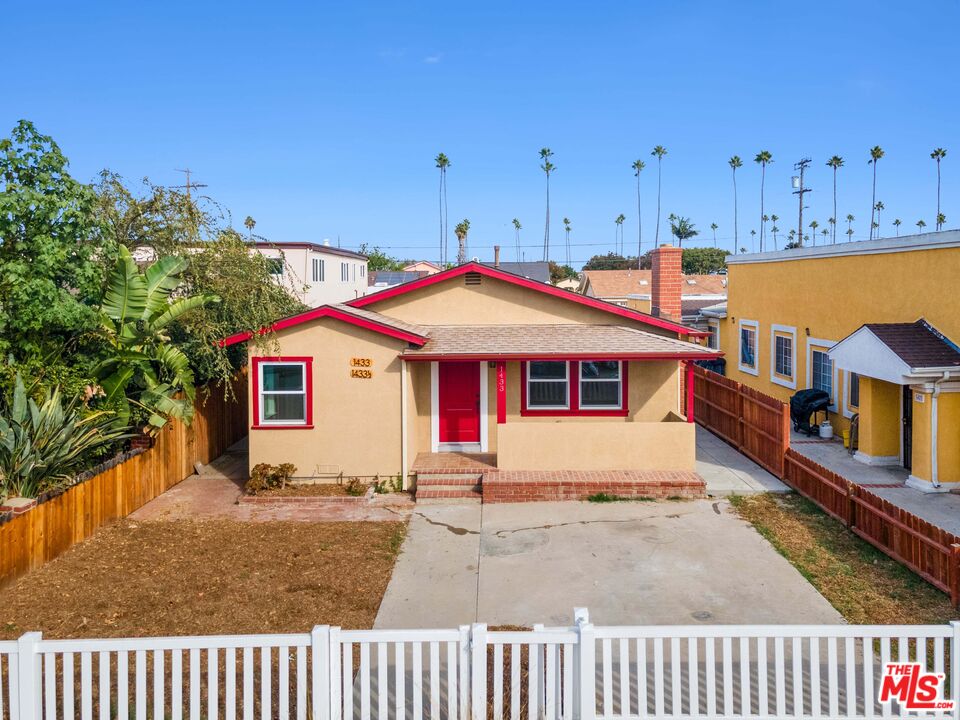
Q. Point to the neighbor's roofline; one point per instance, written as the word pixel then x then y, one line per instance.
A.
pixel 300 245
pixel 509 277
pixel 905 243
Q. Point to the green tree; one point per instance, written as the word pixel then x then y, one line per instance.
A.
pixel 921 225
pixel 773 218
pixel 566 232
pixel 53 260
pixel 813 230
pixel 460 230
pixel 547 167
pixel 442 163
pixel 896 224
pixel 735 162
pixel 941 220
pixel 825 233
pixel 516 236
pixel 142 368
pixel 704 260
pixel 850 219
pixel 618 237
pixel 876 152
pixel 378 260
pixel 938 155
pixel 714 226
pixel 879 207
pixel 659 151
pixel 763 158
pixel 836 162
pixel 560 272
pixel 249 223
pixel 611 261
pixel 682 229
pixel 638 166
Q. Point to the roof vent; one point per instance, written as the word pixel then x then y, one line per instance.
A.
pixel 472 278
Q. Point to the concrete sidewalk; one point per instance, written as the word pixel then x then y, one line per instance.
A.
pixel 728 472
pixel 629 563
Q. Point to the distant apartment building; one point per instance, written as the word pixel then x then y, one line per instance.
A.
pixel 317 274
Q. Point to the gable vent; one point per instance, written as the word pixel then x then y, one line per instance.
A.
pixel 472 278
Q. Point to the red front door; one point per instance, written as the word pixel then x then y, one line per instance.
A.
pixel 459 402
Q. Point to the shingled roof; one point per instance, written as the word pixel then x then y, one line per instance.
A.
pixel 918 344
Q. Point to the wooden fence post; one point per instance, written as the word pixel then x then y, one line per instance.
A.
pixel 785 442
pixel 739 394
pixel 851 505
pixel 955 589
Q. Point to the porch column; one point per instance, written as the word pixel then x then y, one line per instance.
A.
pixel 501 392
pixel 689 368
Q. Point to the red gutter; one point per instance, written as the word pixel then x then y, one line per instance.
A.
pixel 418 357
pixel 526 283
pixel 331 312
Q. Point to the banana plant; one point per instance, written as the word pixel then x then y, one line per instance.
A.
pixel 143 369
pixel 44 445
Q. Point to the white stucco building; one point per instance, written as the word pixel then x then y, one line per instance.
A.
pixel 317 274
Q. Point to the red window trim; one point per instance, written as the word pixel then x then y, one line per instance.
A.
pixel 575 410
pixel 308 362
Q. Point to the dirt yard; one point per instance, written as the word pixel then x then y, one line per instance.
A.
pixel 208 577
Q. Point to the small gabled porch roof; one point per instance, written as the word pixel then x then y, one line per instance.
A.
pixel 544 342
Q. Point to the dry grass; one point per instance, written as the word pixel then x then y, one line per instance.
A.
pixel 314 490
pixel 862 583
pixel 210 577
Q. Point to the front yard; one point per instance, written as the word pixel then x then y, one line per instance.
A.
pixel 188 577
pixel 862 583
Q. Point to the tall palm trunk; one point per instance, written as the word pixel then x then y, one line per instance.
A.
pixel 938 194
pixel 763 225
pixel 446 218
pixel 834 240
pixel 736 235
pixel 546 227
pixel 443 244
pixel 873 199
pixel 656 241
pixel 640 224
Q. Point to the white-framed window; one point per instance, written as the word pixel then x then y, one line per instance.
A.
pixel 363 271
pixel 282 398
pixel 548 385
pixel 601 384
pixel 344 272
pixel 853 391
pixel 821 372
pixel 713 341
pixel 783 355
pixel 319 270
pixel 749 330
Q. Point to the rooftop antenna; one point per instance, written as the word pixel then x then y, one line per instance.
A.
pixel 188 172
pixel 799 191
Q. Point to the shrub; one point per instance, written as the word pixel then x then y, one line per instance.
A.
pixel 265 477
pixel 392 484
pixel 354 486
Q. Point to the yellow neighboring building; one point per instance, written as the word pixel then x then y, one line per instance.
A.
pixel 875 324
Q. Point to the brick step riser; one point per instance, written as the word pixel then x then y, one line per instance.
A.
pixel 434 480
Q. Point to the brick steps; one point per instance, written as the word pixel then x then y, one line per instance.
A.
pixel 449 487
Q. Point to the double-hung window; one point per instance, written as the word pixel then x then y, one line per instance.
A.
pixel 821 375
pixel 318 270
pixel 600 384
pixel 748 346
pixel 283 392
pixel 548 385
pixel 784 355
pixel 344 272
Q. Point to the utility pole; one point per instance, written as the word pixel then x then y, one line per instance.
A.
pixel 188 172
pixel 800 190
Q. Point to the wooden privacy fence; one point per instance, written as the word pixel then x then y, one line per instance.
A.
pixel 929 551
pixel 29 540
pixel 581 672
pixel 757 425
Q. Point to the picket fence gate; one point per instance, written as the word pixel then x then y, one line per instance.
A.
pixel 581 672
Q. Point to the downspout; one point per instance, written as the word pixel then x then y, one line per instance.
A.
pixel 934 470
pixel 403 423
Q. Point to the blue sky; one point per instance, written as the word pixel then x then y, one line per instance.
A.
pixel 322 120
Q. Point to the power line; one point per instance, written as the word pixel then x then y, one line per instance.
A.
pixel 189 185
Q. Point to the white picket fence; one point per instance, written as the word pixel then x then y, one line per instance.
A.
pixel 472 673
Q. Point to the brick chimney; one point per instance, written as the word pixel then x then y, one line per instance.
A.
pixel 665 285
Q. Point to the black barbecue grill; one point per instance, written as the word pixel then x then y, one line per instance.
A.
pixel 804 405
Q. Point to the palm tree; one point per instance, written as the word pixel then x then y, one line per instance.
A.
pixel 813 230
pixel 735 163
pixel 833 228
pixel 941 219
pixel 921 224
pixel 516 237
pixel 443 162
pixel 763 158
pixel 714 226
pixel 249 224
pixel 566 230
pixel 753 240
pixel 849 234
pixel 897 224
pixel 682 228
pixel 938 155
pixel 547 167
pixel 876 152
pixel 618 235
pixel 461 230
pixel 850 219
pixel 826 234
pixel 773 219
pixel 878 207
pixel 836 162
pixel 638 166
pixel 659 151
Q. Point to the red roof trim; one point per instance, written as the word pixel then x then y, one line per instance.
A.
pixel 530 284
pixel 331 312
pixel 417 357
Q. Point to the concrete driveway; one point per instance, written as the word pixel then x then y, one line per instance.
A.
pixel 629 563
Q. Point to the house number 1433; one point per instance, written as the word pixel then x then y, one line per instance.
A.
pixel 360 368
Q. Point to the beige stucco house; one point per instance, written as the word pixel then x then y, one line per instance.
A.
pixel 473 364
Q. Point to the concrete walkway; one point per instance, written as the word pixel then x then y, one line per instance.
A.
pixel 629 563
pixel 728 472
pixel 940 509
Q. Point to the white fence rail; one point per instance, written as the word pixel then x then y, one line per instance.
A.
pixel 472 673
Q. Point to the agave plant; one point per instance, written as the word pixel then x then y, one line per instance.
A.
pixel 143 370
pixel 45 445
